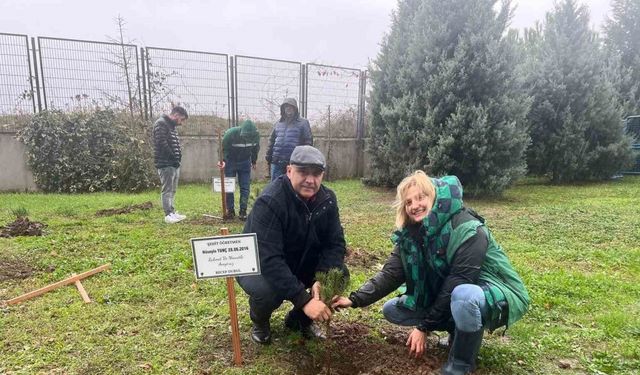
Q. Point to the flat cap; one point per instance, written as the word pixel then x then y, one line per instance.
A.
pixel 308 156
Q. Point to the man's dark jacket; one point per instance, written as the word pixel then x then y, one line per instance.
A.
pixel 166 145
pixel 287 134
pixel 296 239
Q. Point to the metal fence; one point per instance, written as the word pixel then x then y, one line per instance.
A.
pixel 261 85
pixel 80 74
pixel 332 100
pixel 217 90
pixel 16 91
pixel 199 81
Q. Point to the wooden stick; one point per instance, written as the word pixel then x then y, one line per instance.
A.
pixel 222 188
pixel 233 312
pixel 83 293
pixel 70 280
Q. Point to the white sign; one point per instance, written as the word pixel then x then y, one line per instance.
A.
pixel 225 256
pixel 229 184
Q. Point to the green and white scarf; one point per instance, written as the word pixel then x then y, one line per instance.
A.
pixel 436 231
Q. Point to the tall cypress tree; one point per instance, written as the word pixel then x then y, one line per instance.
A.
pixel 622 39
pixel 576 127
pixel 444 96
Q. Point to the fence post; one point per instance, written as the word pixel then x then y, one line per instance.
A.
pixel 139 77
pixel 33 75
pixel 305 89
pixel 233 106
pixel 148 69
pixel 44 91
pixel 144 83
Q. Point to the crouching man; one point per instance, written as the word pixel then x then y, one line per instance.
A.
pixel 299 233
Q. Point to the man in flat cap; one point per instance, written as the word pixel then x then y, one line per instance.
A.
pixel 299 233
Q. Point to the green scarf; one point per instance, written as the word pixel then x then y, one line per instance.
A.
pixel 436 232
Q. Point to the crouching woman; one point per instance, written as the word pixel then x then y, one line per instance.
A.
pixel 458 278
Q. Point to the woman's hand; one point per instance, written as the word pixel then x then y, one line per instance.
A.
pixel 339 302
pixel 416 342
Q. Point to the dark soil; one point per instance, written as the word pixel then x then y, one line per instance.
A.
pixel 203 220
pixel 22 227
pixel 361 258
pixel 357 349
pixel 125 210
pixel 14 269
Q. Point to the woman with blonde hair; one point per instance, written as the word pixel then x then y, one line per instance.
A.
pixel 458 278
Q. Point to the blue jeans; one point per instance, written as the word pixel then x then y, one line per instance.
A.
pixel 169 181
pixel 241 169
pixel 278 169
pixel 468 308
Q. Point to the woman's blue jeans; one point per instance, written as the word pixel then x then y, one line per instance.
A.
pixel 468 308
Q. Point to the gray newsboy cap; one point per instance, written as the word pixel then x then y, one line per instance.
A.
pixel 307 156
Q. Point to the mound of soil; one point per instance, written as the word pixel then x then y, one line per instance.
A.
pixel 355 351
pixel 125 210
pixel 22 227
pixel 14 269
pixel 361 258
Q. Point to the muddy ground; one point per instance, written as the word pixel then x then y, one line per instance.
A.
pixel 125 210
pixel 357 257
pixel 22 226
pixel 357 349
pixel 14 269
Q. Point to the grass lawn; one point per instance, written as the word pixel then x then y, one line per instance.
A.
pixel 576 247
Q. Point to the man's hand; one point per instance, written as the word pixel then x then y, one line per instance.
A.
pixel 221 164
pixel 315 291
pixel 339 302
pixel 317 310
pixel 416 342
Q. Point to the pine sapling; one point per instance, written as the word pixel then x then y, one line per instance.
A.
pixel 333 283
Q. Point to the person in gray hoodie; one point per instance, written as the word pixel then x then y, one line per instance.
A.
pixel 288 133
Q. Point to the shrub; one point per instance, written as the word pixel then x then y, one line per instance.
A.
pixel 82 151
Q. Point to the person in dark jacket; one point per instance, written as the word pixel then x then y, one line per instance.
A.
pixel 299 233
pixel 458 278
pixel 241 145
pixel 291 131
pixel 167 157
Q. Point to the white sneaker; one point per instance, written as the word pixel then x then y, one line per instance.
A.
pixel 179 216
pixel 171 219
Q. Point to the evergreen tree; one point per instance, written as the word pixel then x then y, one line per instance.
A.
pixel 444 97
pixel 622 39
pixel 576 127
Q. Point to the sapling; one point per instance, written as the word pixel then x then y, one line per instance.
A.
pixel 333 283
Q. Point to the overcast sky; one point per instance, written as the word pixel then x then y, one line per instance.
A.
pixel 336 32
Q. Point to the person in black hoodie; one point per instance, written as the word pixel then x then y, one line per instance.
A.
pixel 167 156
pixel 297 224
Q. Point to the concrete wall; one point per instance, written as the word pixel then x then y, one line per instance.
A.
pixel 14 173
pixel 345 159
pixel 200 155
